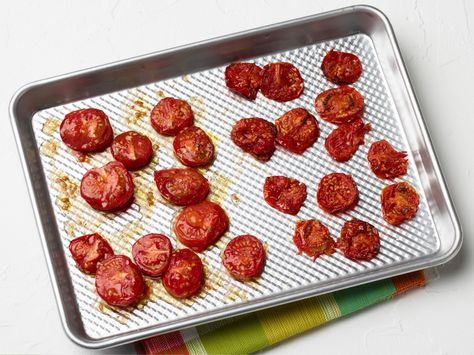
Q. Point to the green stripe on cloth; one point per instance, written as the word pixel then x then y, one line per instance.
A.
pixel 359 297
pixel 241 337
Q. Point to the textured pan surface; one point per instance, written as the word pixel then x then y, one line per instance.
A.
pixel 236 182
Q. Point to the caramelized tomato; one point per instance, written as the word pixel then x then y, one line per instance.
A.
pixel 341 68
pixel 193 147
pixel 107 188
pixel 244 79
pixel 399 203
pixel 282 82
pixel 86 130
pixel 132 149
pixel 244 257
pixel 255 136
pixel 89 250
pixel 199 226
pixel 312 238
pixel 118 281
pixel 386 162
pixel 340 105
pixel 152 254
pixel 343 142
pixel 359 240
pixel 284 194
pixel 182 187
pixel 185 274
pixel 171 115
pixel 337 192
pixel 297 130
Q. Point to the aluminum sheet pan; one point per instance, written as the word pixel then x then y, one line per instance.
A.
pixel 236 183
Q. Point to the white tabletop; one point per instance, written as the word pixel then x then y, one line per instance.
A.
pixel 40 39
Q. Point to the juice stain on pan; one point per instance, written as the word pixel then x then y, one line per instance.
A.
pixel 219 186
pixel 186 78
pixel 114 312
pixel 137 111
pixel 50 148
pixel 67 190
pixel 235 199
pixel 80 156
pixel 161 94
pixel 234 294
pixel 133 229
pixel 199 108
pixel 51 126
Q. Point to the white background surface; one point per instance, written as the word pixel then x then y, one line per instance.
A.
pixel 39 39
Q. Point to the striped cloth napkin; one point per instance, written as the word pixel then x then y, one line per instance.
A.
pixel 255 331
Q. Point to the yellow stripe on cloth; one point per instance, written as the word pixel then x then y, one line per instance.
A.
pixel 291 319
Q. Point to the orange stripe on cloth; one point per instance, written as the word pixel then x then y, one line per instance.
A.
pixel 170 343
pixel 409 281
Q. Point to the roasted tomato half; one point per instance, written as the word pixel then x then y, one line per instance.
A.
pixel 89 250
pixel 343 142
pixel 297 130
pixel 281 82
pixel 244 79
pixel 86 130
pixel 359 240
pixel 255 136
pixel 340 105
pixel 386 162
pixel 132 149
pixel 193 147
pixel 244 257
pixel 152 254
pixel 312 238
pixel 199 226
pixel 337 192
pixel 108 188
pixel 341 68
pixel 184 276
pixel 118 281
pixel 171 115
pixel 399 203
pixel 285 194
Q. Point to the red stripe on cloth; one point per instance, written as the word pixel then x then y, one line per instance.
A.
pixel 404 283
pixel 171 343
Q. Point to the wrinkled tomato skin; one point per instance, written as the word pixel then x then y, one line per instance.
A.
pixel 285 194
pixel 86 130
pixel 132 149
pixel 193 147
pixel 297 130
pixel 340 105
pixel 341 68
pixel 184 276
pixel 344 141
pixel 386 162
pixel 281 82
pixel 244 257
pixel 107 188
pixel 171 115
pixel 89 250
pixel 359 240
pixel 313 238
pixel 399 203
pixel 182 187
pixel 199 226
pixel 244 79
pixel 118 281
pixel 255 136
pixel 152 254
pixel 337 192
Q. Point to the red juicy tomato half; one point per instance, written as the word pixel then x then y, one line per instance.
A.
pixel 185 274
pixel 193 147
pixel 86 130
pixel 132 149
pixel 88 250
pixel 341 68
pixel 152 254
pixel 182 187
pixel 386 162
pixel 359 240
pixel 297 130
pixel 312 238
pixel 343 142
pixel 199 226
pixel 255 136
pixel 118 281
pixel 399 203
pixel 107 188
pixel 340 105
pixel 281 82
pixel 244 257
pixel 171 115
pixel 337 192
pixel 244 79
pixel 285 194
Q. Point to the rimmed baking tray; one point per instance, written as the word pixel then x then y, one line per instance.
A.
pixel 127 90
